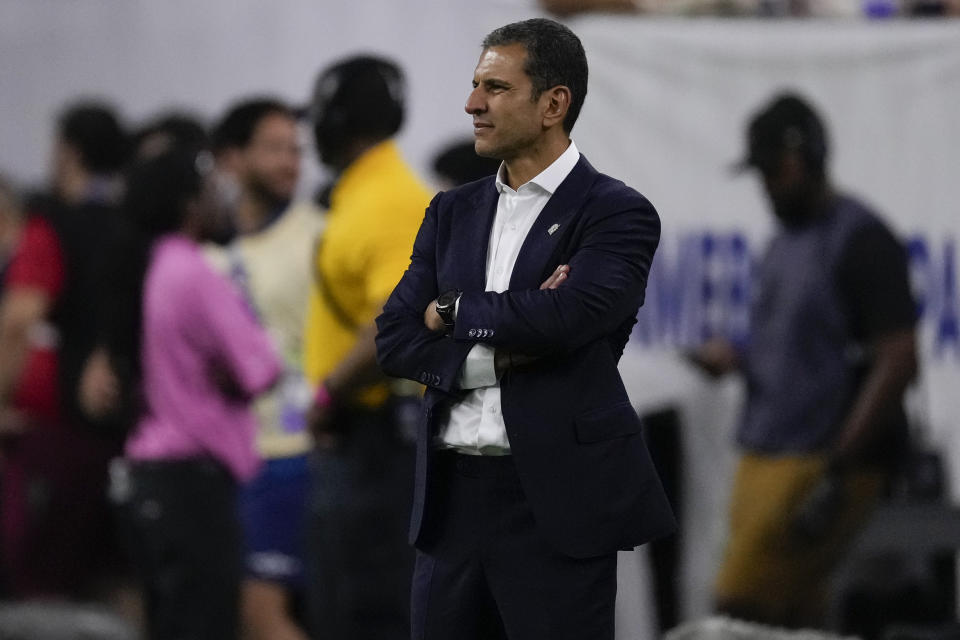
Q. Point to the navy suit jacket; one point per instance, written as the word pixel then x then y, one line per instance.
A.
pixel 575 437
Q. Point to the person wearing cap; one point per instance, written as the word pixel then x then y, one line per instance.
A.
pixel 532 471
pixel 360 563
pixel 830 354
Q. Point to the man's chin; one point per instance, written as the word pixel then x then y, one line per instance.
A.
pixel 485 150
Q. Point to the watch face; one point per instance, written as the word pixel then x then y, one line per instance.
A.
pixel 447 298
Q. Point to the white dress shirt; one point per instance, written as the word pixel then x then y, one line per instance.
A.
pixel 476 424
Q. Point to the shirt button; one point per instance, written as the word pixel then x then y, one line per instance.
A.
pixel 493 409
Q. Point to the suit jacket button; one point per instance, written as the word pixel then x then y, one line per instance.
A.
pixel 472 333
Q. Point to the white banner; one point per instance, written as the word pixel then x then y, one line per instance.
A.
pixel 667 112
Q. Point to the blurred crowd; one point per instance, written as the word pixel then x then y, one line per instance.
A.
pixel 764 8
pixel 168 312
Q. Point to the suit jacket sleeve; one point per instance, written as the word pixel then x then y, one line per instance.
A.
pixel 608 276
pixel 405 347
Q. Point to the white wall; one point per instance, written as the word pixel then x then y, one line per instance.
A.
pixel 146 55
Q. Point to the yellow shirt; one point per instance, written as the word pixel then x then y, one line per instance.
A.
pixel 275 265
pixel 376 209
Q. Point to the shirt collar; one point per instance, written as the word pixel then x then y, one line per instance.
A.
pixel 550 178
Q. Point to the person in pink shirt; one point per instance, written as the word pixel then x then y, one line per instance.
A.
pixel 203 358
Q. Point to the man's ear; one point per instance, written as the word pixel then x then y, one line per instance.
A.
pixel 557 104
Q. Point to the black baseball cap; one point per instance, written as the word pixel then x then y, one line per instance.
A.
pixel 788 122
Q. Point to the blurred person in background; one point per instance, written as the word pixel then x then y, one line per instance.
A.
pixel 457 164
pixel 360 561
pixel 933 8
pixel 270 262
pixel 11 224
pixel 182 128
pixel 203 359
pixel 830 354
pixel 108 383
pixel 56 527
pixel 171 129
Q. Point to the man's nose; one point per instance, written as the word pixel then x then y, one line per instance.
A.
pixel 474 103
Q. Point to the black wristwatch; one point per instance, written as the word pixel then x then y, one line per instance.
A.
pixel 447 306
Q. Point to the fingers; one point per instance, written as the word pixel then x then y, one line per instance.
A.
pixel 432 319
pixel 556 278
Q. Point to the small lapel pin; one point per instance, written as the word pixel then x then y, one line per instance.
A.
pixel 553 228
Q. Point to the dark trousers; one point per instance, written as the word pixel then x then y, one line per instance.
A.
pixel 484 572
pixel 359 563
pixel 182 531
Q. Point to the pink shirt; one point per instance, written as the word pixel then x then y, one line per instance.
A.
pixel 198 333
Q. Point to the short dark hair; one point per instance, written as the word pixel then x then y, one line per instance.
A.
pixel 92 128
pixel 236 128
pixel 176 128
pixel 555 56
pixel 159 188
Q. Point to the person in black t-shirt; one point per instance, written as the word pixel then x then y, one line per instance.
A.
pixel 830 354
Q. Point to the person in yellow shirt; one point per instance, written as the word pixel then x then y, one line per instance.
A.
pixel 360 563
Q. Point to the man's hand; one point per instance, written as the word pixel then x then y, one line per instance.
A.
pixel 99 390
pixel 817 512
pixel 556 278
pixel 503 360
pixel 432 319
pixel 716 356
pixel 12 422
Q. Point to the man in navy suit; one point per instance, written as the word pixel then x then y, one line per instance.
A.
pixel 531 468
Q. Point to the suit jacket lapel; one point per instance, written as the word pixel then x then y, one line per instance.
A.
pixel 473 221
pixel 558 215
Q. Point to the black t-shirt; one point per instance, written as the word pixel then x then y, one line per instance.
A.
pixel 873 281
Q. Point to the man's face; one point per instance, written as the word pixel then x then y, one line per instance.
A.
pixel 787 188
pixel 506 121
pixel 270 164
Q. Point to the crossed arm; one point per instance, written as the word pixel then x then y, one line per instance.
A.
pixel 603 284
